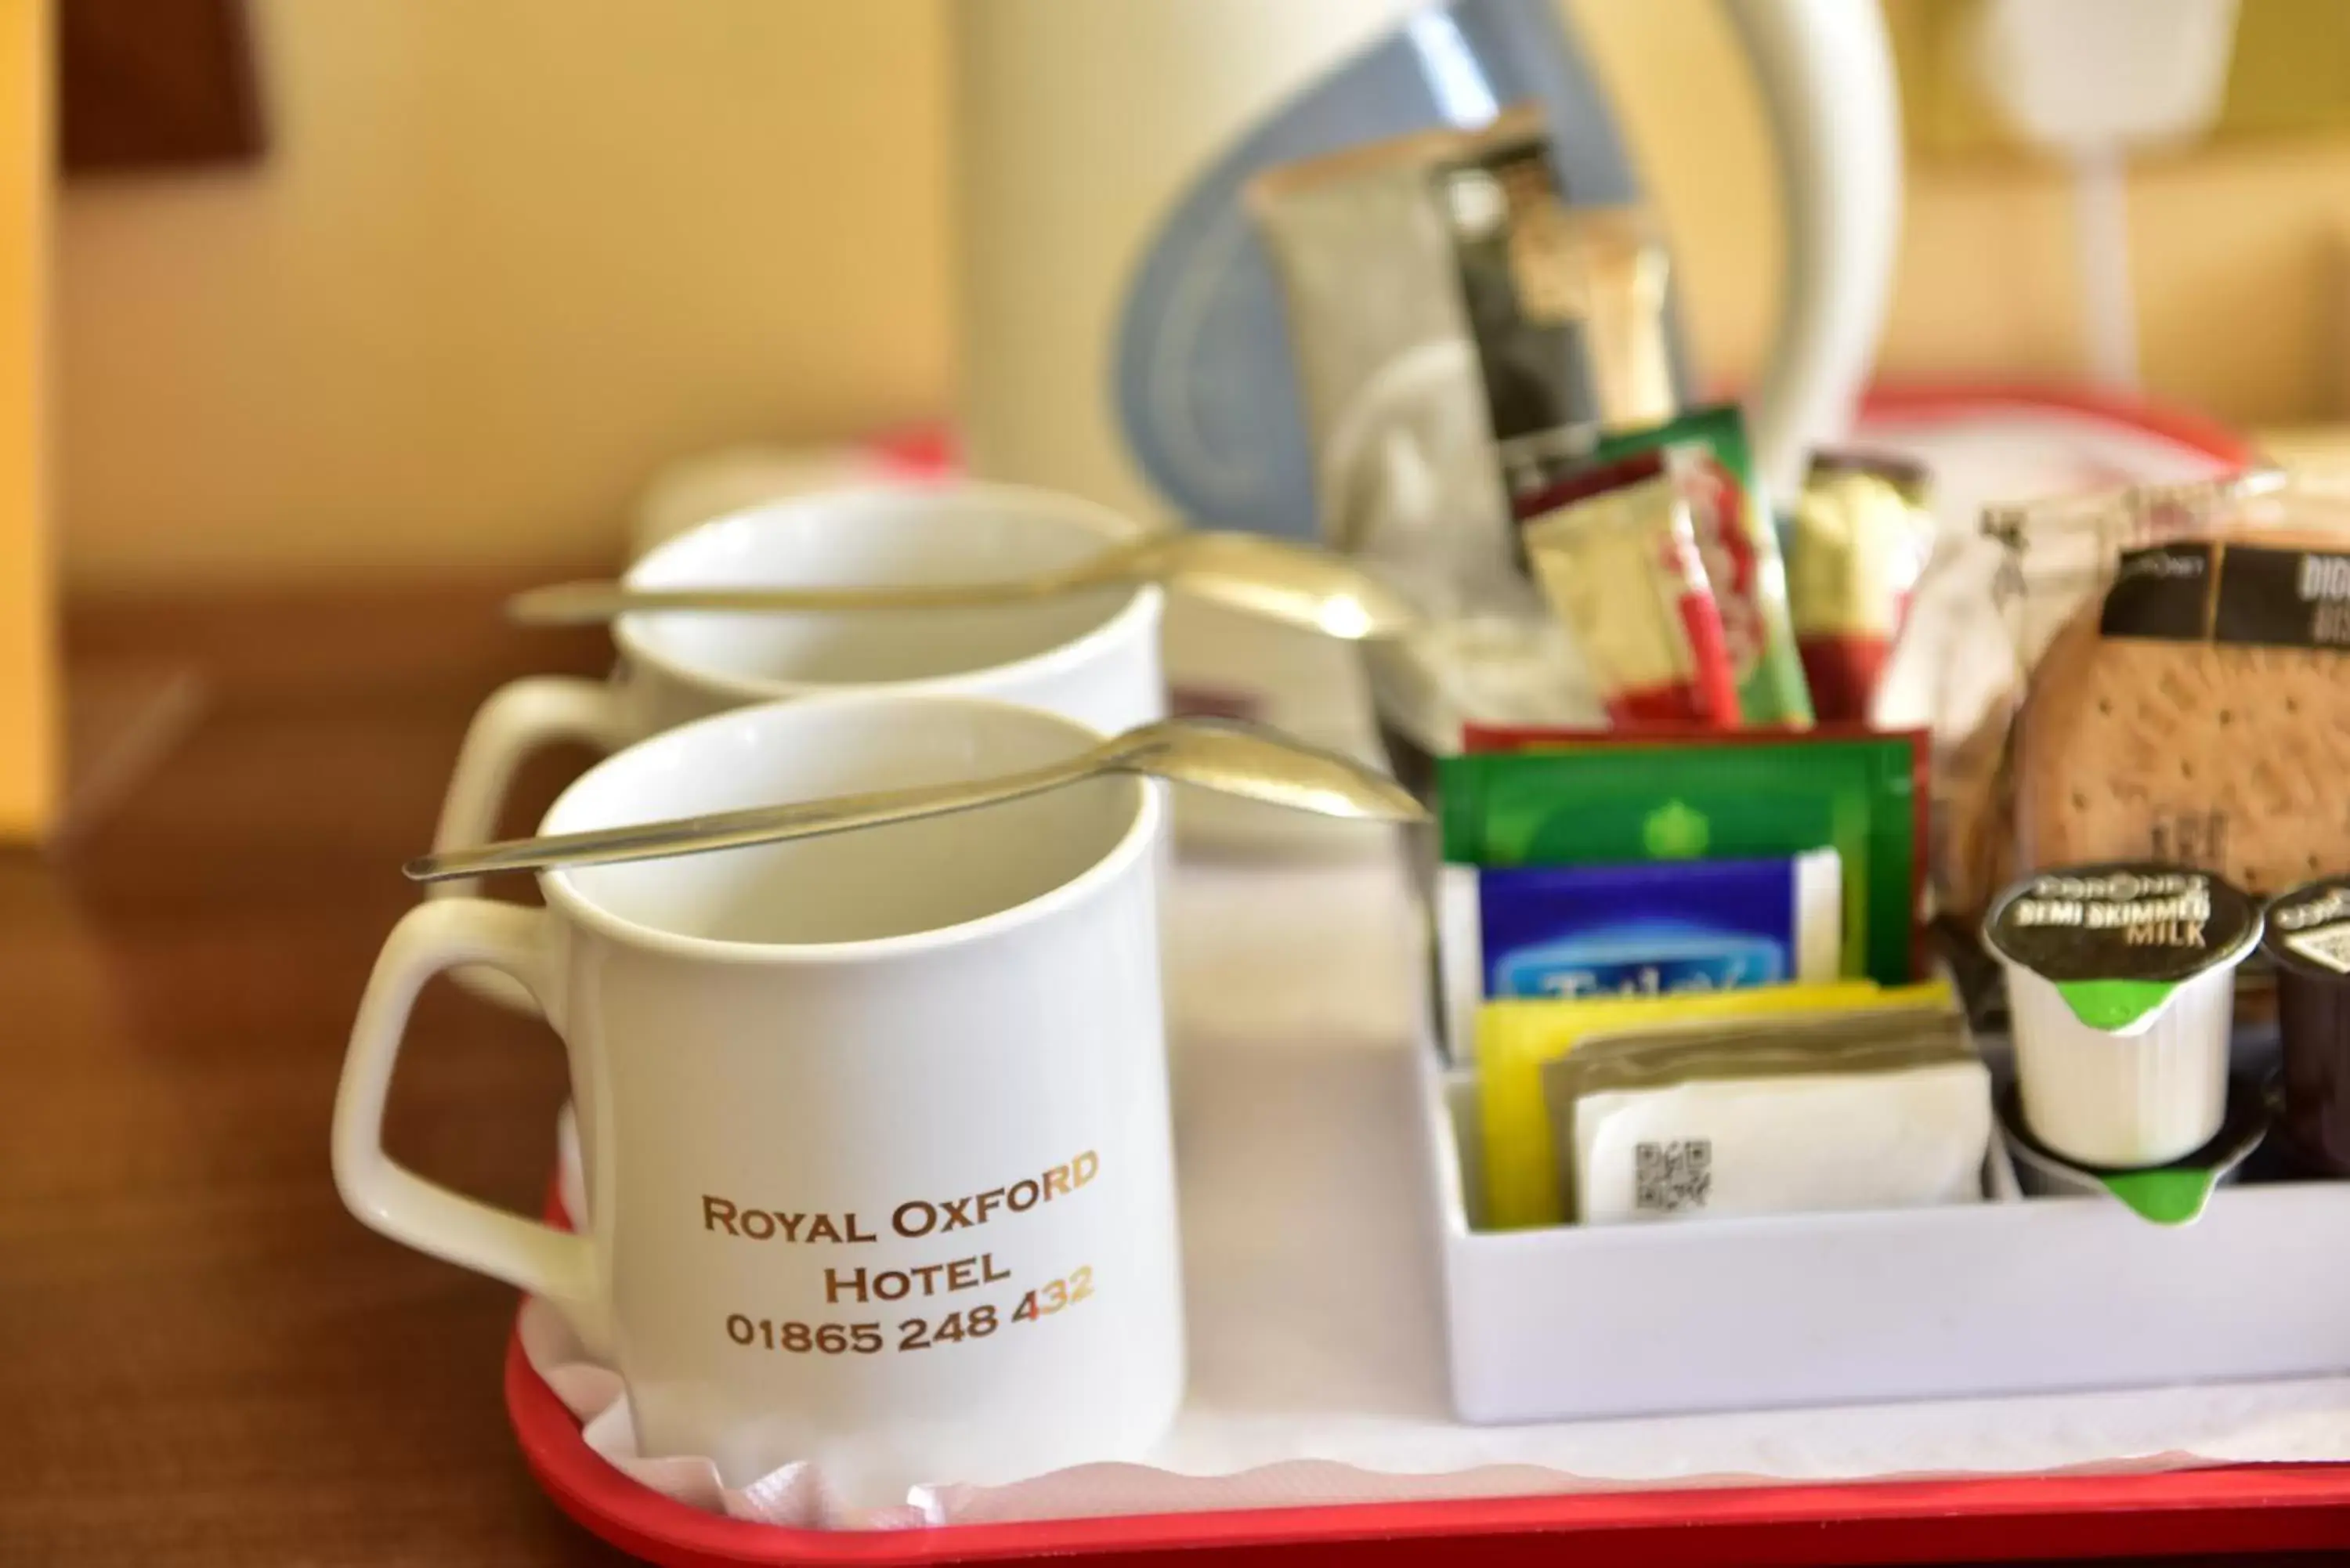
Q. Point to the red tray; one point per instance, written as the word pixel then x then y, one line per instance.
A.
pixel 2248 1508
pixel 2236 1510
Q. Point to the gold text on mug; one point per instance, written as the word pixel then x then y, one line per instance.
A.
pixel 914 1219
pixel 929 1280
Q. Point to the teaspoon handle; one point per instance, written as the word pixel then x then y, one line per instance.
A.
pixel 592 604
pixel 735 830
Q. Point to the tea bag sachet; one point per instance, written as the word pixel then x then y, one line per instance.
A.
pixel 1444 301
pixel 1874 1110
pixel 1624 268
pixel 1649 929
pixel 1861 536
pixel 1712 467
pixel 1617 560
pixel 1598 800
pixel 1405 267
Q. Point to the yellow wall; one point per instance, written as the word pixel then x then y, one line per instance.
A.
pixel 27 673
pixel 505 257
pixel 2234 249
pixel 509 256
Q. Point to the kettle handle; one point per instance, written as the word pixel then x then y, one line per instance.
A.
pixel 1825 69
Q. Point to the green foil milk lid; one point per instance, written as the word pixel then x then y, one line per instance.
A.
pixel 2117 938
pixel 2167 1196
pixel 2173 1194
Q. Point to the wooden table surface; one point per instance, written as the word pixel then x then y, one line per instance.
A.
pixel 206 1360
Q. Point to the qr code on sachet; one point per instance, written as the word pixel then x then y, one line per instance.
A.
pixel 1671 1176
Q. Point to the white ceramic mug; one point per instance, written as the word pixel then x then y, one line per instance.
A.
pixel 1092 657
pixel 876 1126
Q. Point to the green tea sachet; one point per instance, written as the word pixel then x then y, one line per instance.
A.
pixel 1603 800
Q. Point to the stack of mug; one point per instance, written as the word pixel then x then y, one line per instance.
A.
pixel 874 1127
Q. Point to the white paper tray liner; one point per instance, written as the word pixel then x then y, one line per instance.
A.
pixel 1316 1327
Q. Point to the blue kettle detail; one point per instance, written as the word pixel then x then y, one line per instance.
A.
pixel 1205 389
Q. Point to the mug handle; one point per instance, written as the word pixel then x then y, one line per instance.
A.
pixel 519 718
pixel 553 1264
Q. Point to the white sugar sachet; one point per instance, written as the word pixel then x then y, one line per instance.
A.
pixel 1782 1145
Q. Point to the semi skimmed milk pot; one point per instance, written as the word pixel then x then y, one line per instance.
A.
pixel 2121 990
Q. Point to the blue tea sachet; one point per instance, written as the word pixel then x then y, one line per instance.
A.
pixel 1646 930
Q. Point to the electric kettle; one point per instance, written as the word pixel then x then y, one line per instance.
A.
pixel 1122 329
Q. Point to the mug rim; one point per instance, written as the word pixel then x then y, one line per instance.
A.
pixel 1133 616
pixel 564 895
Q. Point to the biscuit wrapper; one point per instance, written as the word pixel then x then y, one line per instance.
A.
pixel 2181 694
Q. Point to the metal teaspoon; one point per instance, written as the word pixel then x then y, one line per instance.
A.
pixel 1299 585
pixel 1214 754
